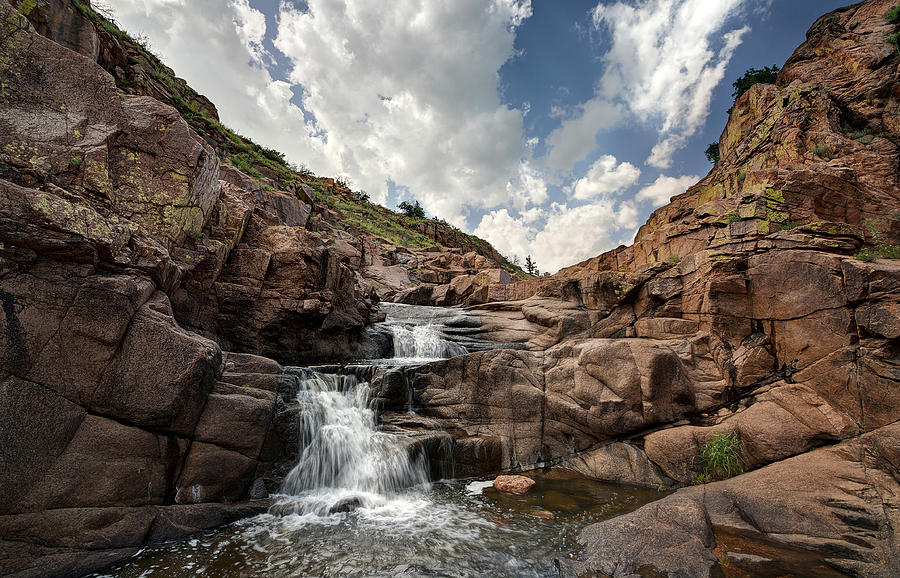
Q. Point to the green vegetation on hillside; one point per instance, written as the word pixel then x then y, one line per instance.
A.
pixel 712 153
pixel 767 75
pixel 893 16
pixel 412 210
pixel 270 168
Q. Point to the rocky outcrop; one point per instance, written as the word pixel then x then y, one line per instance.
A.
pixel 840 502
pixel 129 257
pixel 513 484
pixel 739 310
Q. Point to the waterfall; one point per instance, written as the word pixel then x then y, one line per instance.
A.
pixel 423 342
pixel 344 460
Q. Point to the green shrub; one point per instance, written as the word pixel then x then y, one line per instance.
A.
pixel 416 211
pixel 823 151
pixel 712 153
pixel 673 259
pixel 753 76
pixel 732 218
pixel 893 15
pixel 721 457
pixel 788 226
pixel 895 40
pixel 75 162
pixel 742 176
pixel 867 255
pixel 879 251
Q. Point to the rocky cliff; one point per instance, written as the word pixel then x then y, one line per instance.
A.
pixel 148 255
pixel 758 305
pixel 149 258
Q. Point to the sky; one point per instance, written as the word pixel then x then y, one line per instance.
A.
pixel 551 128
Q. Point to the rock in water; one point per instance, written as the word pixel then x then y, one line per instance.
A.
pixel 513 484
pixel 345 505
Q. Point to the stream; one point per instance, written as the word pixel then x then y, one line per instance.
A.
pixel 363 502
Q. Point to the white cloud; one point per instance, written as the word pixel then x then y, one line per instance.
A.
pixel 250 25
pixel 211 43
pixel 576 136
pixel 664 188
pixel 568 235
pixel 407 91
pixel 666 58
pixel 663 63
pixel 528 189
pixel 605 176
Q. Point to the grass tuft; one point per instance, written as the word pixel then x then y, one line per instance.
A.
pixel 823 152
pixel 720 458
pixel 788 226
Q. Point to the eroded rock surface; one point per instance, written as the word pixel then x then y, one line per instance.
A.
pixel 129 257
pixel 739 310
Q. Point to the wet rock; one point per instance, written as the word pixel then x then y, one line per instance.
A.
pixel 513 484
pixel 345 505
pixel 181 521
pixel 674 538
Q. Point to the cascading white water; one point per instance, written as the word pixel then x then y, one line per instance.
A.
pixel 344 460
pixel 423 342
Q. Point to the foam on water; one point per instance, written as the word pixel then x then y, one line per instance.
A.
pixel 344 461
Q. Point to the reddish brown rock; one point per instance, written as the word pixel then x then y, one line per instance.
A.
pixel 513 484
pixel 840 502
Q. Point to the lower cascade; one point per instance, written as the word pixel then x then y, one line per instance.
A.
pixel 344 460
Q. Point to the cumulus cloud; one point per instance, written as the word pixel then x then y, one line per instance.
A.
pixel 528 189
pixel 407 91
pixel 665 188
pixel 666 58
pixel 605 176
pixel 250 101
pixel 569 234
pixel 250 25
pixel 576 136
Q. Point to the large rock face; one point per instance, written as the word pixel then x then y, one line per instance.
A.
pixel 129 256
pixel 738 310
pixel 841 502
